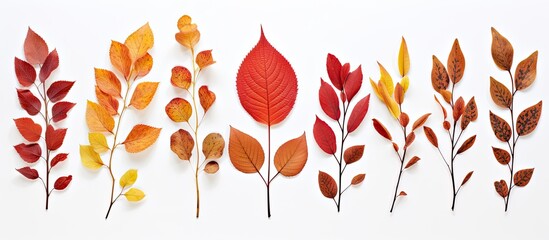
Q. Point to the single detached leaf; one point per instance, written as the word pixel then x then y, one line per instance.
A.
pixel 412 161
pixel 58 90
pixel 128 178
pixel 327 184
pixel 36 49
pixel 470 115
pixel 290 158
pixel 333 66
pixel 29 173
pixel 29 152
pixel 179 110
pixel 120 58
pixel 522 177
pixel 143 65
pixel 98 119
pixel 431 136
pixel 502 51
pixel 403 58
pixel 245 152
pixel 420 121
pixel 443 109
pixel 181 77
pixel 139 42
pixel 107 101
pixel 62 182
pixel 29 102
pixel 213 146
pixel 90 159
pixel 501 188
pixel 324 136
pixel 55 137
pixel 266 84
pixel 358 114
pixel 459 108
pixel 25 72
pixel 525 74
pixel 108 82
pixel 382 130
pixel 439 75
pixel 358 179
pixel 500 94
pixel 456 63
pixel 409 140
pixel 60 110
pixel 501 128
pixel 50 64
pixel 134 195
pixel 466 178
pixel 204 59
pixel 467 144
pixel 140 138
pixel 328 100
pixel 30 130
pixel 353 154
pixel 211 167
pixel 353 83
pixel 399 94
pixel 502 156
pixel 58 158
pixel 207 97
pixel 528 119
pixel 182 144
pixel 99 142
pixel 143 94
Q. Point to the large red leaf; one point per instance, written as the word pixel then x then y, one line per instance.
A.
pixel 36 49
pixel 28 129
pixel 29 153
pixel 353 83
pixel 26 74
pixel 55 137
pixel 334 71
pixel 51 63
pixel 28 172
pixel 62 182
pixel 29 102
pixel 358 114
pixel 324 136
pixel 60 109
pixel 58 90
pixel 328 100
pixel 266 84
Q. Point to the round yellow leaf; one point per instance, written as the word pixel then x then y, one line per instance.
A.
pixel 128 178
pixel 134 195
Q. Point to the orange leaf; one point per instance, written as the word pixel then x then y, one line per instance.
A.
pixel 456 63
pixel 139 42
pixel 431 136
pixel 525 74
pixel 404 119
pixel 471 113
pixel 179 110
pixel 502 156
pixel 98 119
pixel 188 34
pixel 353 154
pixel 528 119
pixel 107 101
pixel 443 109
pixel 143 94
pixel 327 184
pixel 29 129
pixel 211 167
pixel 36 49
pixel 500 94
pixel 446 125
pixel 412 161
pixel 501 188
pixel 358 179
pixel 399 94
pixel 290 158
pixel 402 194
pixel 213 145
pixel 446 95
pixel 207 97
pixel 466 178
pixel 245 152
pixel 420 121
pixel 181 77
pixel 204 59
pixel 140 138
pixel 522 177
pixel 501 128
pixel 143 65
pixel 502 51
pixel 183 20
pixel 459 108
pixel 182 144
pixel 467 144
pixel 409 140
pixel 382 130
pixel 120 58
pixel 108 82
pixel 439 75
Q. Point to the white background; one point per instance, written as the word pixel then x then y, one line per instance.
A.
pixel 233 203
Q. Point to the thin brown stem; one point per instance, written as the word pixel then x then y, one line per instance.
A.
pixel 513 130
pixel 196 125
pixel 401 170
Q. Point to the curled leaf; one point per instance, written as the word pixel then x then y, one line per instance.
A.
pixel 291 157
pixel 358 114
pixel 207 97
pixel 525 74
pixel 90 159
pixel 501 128
pixel 128 178
pixel 358 179
pixel 502 51
pixel 456 63
pixel 324 136
pixel 188 34
pixel 245 152
pixel 211 167
pixel 502 156
pixel 528 119
pixel 182 144
pixel 439 75
pixel 143 94
pixel 431 136
pixel 500 94
pixel 140 138
pixel 467 144
pixel 522 177
pixel 213 146
pixel 353 154
pixel 327 184
pixel 179 110
pixel 382 130
pixel 441 107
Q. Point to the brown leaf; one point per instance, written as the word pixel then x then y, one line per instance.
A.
pixel 207 97
pixel 528 119
pixel 143 65
pixel 525 74
pixel 409 140
pixel 108 82
pixel 182 144
pixel 181 77
pixel 470 115
pixel 522 177
pixel 382 130
pixel 402 194
pixel 36 49
pixel 502 51
pixel 456 63
pixel 466 178
pixel 290 158
pixel 179 110
pixel 501 128
pixel 441 107
pixel 500 94
pixel 98 119
pixel 412 161
pixel 143 95
pixel 420 121
pixel 327 184
pixel 358 179
pixel 431 136
pixel 467 144
pixel 399 94
pixel 501 188
pixel 245 152
pixel 459 108
pixel 211 167
pixel 439 75
pixel 353 154
pixel 502 156
pixel 404 119
pixel 213 146
pixel 446 125
pixel 120 58
pixel 140 138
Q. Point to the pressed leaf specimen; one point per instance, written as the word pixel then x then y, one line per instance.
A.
pixel 180 110
pixel 348 83
pixel 131 61
pixel 51 94
pixel 393 98
pixel 526 121
pixel 267 88
pixel 444 82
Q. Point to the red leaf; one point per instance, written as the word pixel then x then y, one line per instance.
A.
pixel 353 83
pixel 58 90
pixel 431 136
pixel 334 71
pixel 382 130
pixel 327 184
pixel 36 49
pixel 402 194
pixel 25 72
pixel 59 158
pixel 344 72
pixel 62 182
pixel 60 109
pixel 51 63
pixel 358 114
pixel 29 153
pixel 324 136
pixel 29 102
pixel 412 161
pixel 353 154
pixel 328 100
pixel 28 172
pixel 54 138
pixel 266 84
pixel 466 178
pixel 409 140
pixel 28 129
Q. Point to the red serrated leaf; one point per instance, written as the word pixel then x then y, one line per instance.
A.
pixel 28 129
pixel 28 173
pixel 58 90
pixel 25 72
pixel 59 158
pixel 60 109
pixel 327 184
pixel 266 84
pixel 29 152
pixel 36 49
pixel 50 64
pixel 353 83
pixel 55 137
pixel 358 114
pixel 328 100
pixel 324 136
pixel 29 102
pixel 62 182
pixel 334 71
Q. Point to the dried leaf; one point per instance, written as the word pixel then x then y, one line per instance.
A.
pixel 245 152
pixel 431 136
pixel 30 130
pixel 134 195
pixel 107 101
pixel 128 178
pixel 324 136
pixel 501 128
pixel 500 94
pixel 204 59
pixel 467 144
pixel 446 125
pixel 456 63
pixel 29 173
pixel 108 82
pixel 334 71
pixel 143 65
pixel 525 74
pixel 36 49
pixel 291 157
pixel 358 179
pixel 470 115
pixel 502 51
pixel 420 121
pixel 443 109
pixel 58 90
pixel 399 94
pixel 59 110
pixel 62 182
pixel 466 178
pixel 29 102
pixel 182 144
pixel 522 177
pixel 502 156
pixel 181 77
pixel 207 97
pixel 527 120
pixel 213 146
pixel 25 72
pixel 327 184
pixel 140 138
pixel 404 119
pixel 412 161
pixel 58 158
pixel 403 59
pixel 353 83
pixel 99 142
pixel 29 152
pixel 188 34
pixel 328 100
pixel 143 95
pixel 501 188
pixel 120 58
pixel 459 108
pixel 439 75
pixel 358 114
pixel 409 140
pixel 98 119
pixel 54 137
pixel 446 95
pixel 353 154
pixel 90 159
pixel 382 130
pixel 179 110
pixel 139 42
pixel 211 167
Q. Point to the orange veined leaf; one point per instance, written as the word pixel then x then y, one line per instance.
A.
pixel 466 178
pixel 441 107
pixel 143 65
pixel 399 94
pixel 143 95
pixel 501 188
pixel 502 156
pixel 35 48
pixel 327 184
pixel 431 136
pixel 500 94
pixel 467 144
pixel 108 82
pixel 140 138
pixel 378 126
pixel 358 179
pixel 456 63
pixel 403 59
pixel 290 158
pixel 502 51
pixel 525 74
pixel 501 128
pixel 412 161
pixel 139 42
pixel 522 177
pixel 213 146
pixel 188 34
pixel 107 101
pixel 392 106
pixel 211 167
pixel 404 119
pixel 353 154
pixel 439 75
pixel 98 119
pixel 207 97
pixel 179 110
pixel 528 119
pixel 420 121
pixel 182 144
pixel 459 108
pixel 470 114
pixel 204 59
pixel 409 140
pixel 245 152
pixel 120 58
pixel 181 77
pixel 386 79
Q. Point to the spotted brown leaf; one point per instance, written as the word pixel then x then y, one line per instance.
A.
pixel 501 128
pixel 528 119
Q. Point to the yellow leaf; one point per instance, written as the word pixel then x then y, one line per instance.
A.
pixel 134 195
pixel 143 94
pixel 139 42
pixel 405 82
pixel 90 159
pixel 403 59
pixel 120 58
pixel 99 142
pixel 386 79
pixel 389 101
pixel 143 65
pixel 140 138
pixel 376 91
pixel 204 59
pixel 98 119
pixel 128 178
pixel 179 110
